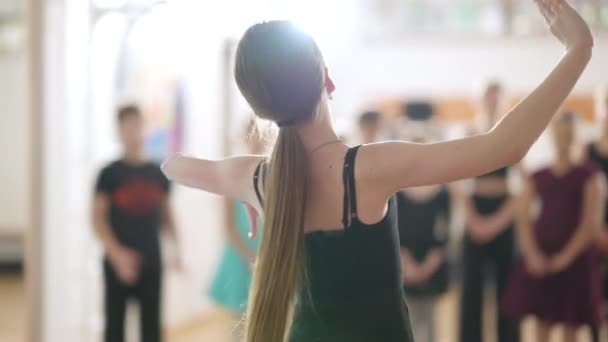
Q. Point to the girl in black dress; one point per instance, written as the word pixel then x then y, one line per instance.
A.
pixel 328 267
pixel 489 239
pixel 424 224
pixel 424 217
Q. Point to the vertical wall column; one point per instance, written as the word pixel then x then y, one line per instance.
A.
pixel 33 236
pixel 57 105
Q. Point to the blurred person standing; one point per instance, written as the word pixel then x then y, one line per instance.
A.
pixel 557 279
pixel 489 237
pixel 597 151
pixel 370 127
pixel 130 206
pixel 230 287
pixel 424 217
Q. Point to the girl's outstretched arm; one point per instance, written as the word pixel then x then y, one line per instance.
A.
pixel 230 177
pixel 392 166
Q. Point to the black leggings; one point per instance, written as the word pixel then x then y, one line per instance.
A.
pixel 146 292
pixel 498 252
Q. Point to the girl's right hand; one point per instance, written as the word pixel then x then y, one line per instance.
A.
pixel 566 24
pixel 126 263
pixel 536 264
pixel 602 239
pixel 413 274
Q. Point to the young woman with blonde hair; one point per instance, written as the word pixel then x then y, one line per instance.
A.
pixel 328 267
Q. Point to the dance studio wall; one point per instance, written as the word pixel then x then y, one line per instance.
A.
pixel 441 67
pixel 14 146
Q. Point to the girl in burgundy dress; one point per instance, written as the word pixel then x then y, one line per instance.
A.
pixel 558 279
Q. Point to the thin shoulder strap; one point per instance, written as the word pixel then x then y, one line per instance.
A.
pixel 350 193
pixel 256 183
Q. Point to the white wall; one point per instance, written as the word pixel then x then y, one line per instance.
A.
pixel 440 67
pixel 66 164
pixel 199 215
pixel 14 140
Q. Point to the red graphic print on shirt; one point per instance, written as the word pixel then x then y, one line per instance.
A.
pixel 138 196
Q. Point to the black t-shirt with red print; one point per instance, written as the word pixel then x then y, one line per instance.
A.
pixel 136 193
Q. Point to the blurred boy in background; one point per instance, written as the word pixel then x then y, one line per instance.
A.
pixel 130 206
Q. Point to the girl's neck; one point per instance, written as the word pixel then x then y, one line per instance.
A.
pixel 563 163
pixel 318 131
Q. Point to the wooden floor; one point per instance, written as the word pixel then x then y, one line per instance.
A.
pixel 12 308
pixel 217 326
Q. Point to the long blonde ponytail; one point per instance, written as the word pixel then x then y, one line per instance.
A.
pixel 280 72
pixel 278 269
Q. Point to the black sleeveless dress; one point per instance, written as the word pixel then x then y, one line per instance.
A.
pixel 354 288
pixel 423 226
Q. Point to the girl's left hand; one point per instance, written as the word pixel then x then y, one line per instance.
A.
pixel 559 262
pixel 602 240
pixel 413 275
pixel 536 264
pixel 482 231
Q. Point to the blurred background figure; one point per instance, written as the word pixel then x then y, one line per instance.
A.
pixel 424 229
pixel 489 237
pixel 129 209
pixel 557 280
pixel 370 127
pixel 230 287
pixel 597 152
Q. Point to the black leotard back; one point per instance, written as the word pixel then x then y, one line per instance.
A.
pixel 354 288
